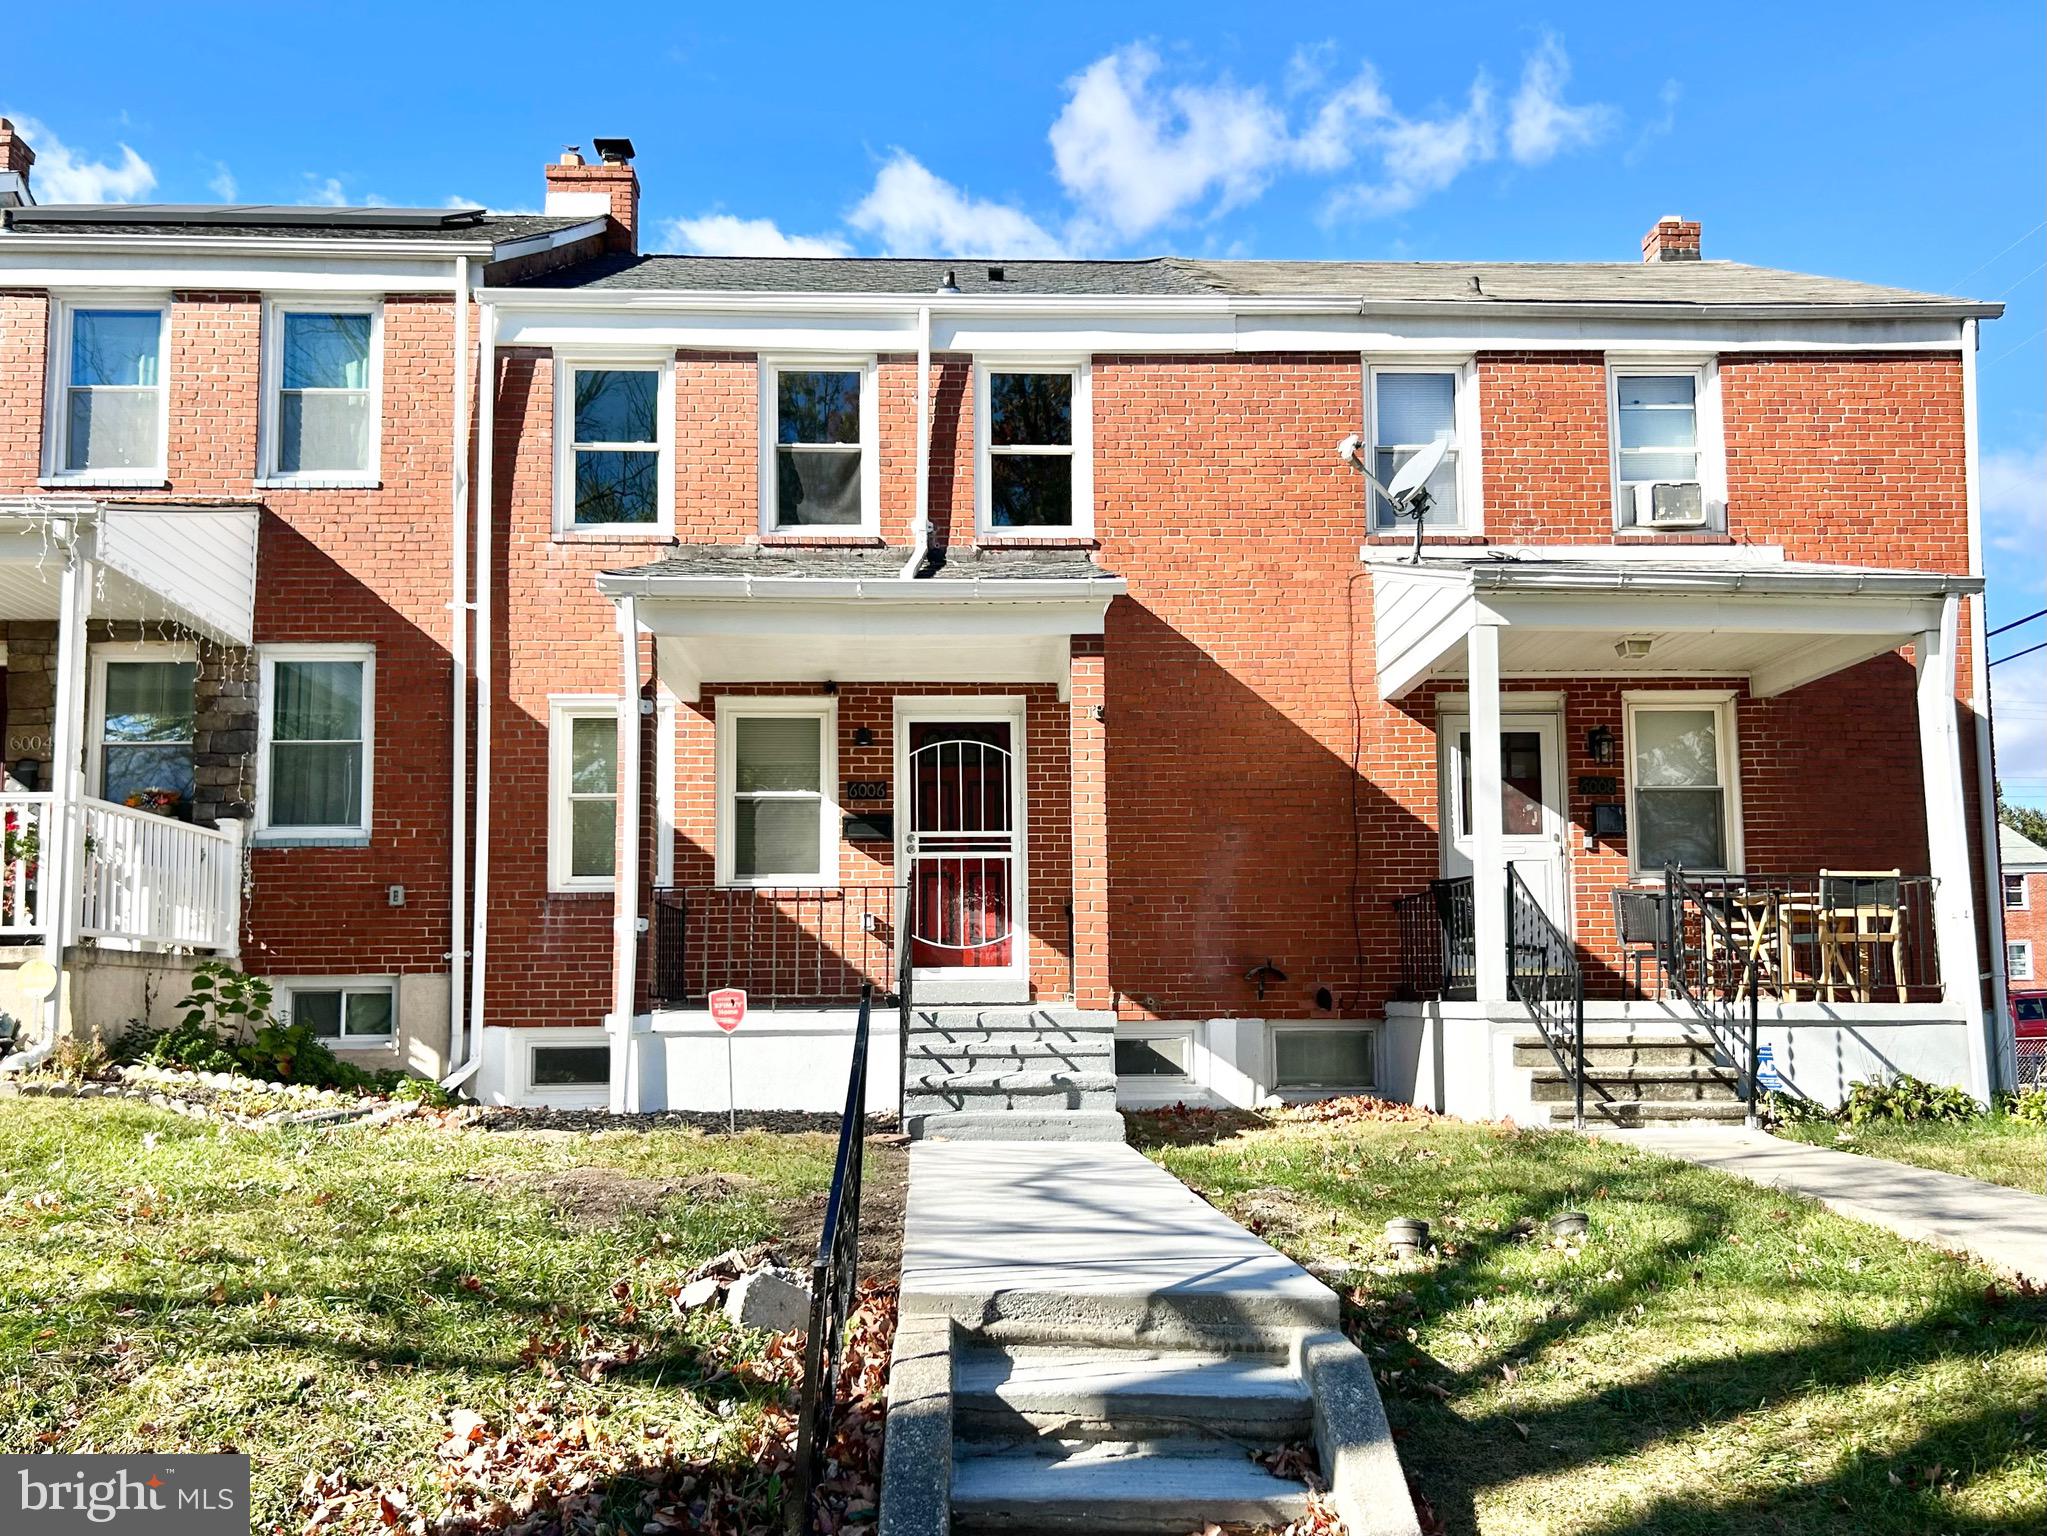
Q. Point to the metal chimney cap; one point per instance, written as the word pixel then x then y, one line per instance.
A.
pixel 613 151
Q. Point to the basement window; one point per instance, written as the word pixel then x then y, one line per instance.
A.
pixel 1153 1056
pixel 358 1011
pixel 570 1066
pixel 1306 1059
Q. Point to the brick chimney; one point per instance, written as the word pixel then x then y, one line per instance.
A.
pixel 1672 239
pixel 15 160
pixel 611 187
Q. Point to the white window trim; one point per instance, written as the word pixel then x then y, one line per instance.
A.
pixel 268 476
pixel 96 696
pixel 1709 425
pixel 1722 702
pixel 2022 972
pixel 1081 370
pixel 728 711
pixel 561 709
pixel 771 366
pixel 265 831
pixel 566 365
pixel 560 1095
pixel 1468 447
pixel 285 988
pixel 1318 1026
pixel 57 382
pixel 2025 901
pixel 1184 1033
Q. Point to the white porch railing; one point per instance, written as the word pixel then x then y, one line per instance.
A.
pixel 152 880
pixel 24 828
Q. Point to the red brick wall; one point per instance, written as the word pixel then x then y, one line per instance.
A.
pixel 2030 925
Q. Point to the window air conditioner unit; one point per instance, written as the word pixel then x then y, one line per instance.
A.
pixel 1670 504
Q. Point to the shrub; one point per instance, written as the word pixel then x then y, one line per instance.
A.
pixel 80 1061
pixel 1905 1100
pixel 2028 1104
pixel 228 1026
pixel 422 1089
pixel 1794 1109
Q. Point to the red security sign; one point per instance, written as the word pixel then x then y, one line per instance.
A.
pixel 728 1008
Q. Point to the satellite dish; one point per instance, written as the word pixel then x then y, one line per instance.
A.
pixel 1414 474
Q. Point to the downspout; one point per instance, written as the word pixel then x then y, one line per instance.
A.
pixel 2002 1067
pixel 625 911
pixel 479 906
pixel 460 1058
pixel 920 526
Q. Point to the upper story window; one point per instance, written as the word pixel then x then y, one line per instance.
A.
pixel 818 431
pixel 321 403
pixel 1410 406
pixel 614 422
pixel 315 743
pixel 143 724
pixel 1035 471
pixel 2015 892
pixel 1668 469
pixel 108 412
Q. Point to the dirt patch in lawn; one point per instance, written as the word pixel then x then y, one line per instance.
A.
pixel 594 1196
pixel 884 1189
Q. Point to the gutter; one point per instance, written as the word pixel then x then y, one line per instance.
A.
pixel 867 589
pixel 489 250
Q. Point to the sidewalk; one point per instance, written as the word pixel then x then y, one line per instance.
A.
pixel 2004 1228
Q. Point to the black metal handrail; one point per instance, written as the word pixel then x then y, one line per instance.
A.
pixel 1544 975
pixel 905 980
pixel 1438 940
pixel 797 945
pixel 1714 968
pixel 834 1274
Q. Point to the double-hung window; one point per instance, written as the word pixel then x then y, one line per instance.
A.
pixel 583 781
pixel 2015 893
pixel 1412 405
pixel 1667 464
pixel 145 724
pixel 777 813
pixel 315 739
pixel 2018 960
pixel 615 424
pixel 320 421
pixel 347 1011
pixel 109 411
pixel 818 430
pixel 1683 800
pixel 1034 476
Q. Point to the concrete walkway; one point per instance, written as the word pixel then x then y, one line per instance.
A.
pixel 1084 1235
pixel 2004 1228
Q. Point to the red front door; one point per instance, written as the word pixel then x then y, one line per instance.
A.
pixel 962 844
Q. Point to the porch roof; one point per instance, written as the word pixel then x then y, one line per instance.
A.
pixel 738 613
pixel 1779 623
pixel 188 564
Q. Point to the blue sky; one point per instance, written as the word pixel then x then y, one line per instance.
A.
pixel 1901 144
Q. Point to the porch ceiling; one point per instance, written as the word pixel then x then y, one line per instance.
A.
pixel 1779 624
pixel 190 566
pixel 742 614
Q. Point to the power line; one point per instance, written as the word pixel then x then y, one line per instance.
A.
pixel 2015 623
pixel 2022 239
pixel 1999 661
pixel 2008 351
pixel 2034 273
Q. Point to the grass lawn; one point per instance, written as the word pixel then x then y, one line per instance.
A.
pixel 1713 1358
pixel 1997 1148
pixel 327 1301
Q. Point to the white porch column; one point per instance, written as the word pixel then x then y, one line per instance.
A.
pixel 1947 838
pixel 1488 864
pixel 63 858
pixel 625 901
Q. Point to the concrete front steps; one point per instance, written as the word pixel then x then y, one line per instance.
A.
pixel 1637 1079
pixel 1011 1074
pixel 1122 1439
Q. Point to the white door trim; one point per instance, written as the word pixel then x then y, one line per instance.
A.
pixel 974 984
pixel 1553 843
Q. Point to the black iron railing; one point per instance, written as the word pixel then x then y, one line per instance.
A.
pixel 1545 977
pixel 1438 941
pixel 834 1274
pixel 795 945
pixel 1713 963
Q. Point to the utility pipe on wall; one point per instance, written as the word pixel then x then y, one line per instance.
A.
pixel 920 526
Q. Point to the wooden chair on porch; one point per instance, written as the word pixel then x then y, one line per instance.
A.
pixel 1859 913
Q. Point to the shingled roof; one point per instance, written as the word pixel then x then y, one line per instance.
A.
pixel 455 226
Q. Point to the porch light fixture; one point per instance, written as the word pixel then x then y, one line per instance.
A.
pixel 863 736
pixel 1631 647
pixel 1599 744
pixel 1263 976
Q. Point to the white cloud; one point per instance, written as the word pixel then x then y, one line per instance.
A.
pixel 725 234
pixel 1540 123
pixel 911 212
pixel 1659 127
pixel 327 192
pixel 1418 156
pixel 1132 154
pixel 63 175
pixel 2013 487
pixel 2018 705
pixel 223 184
